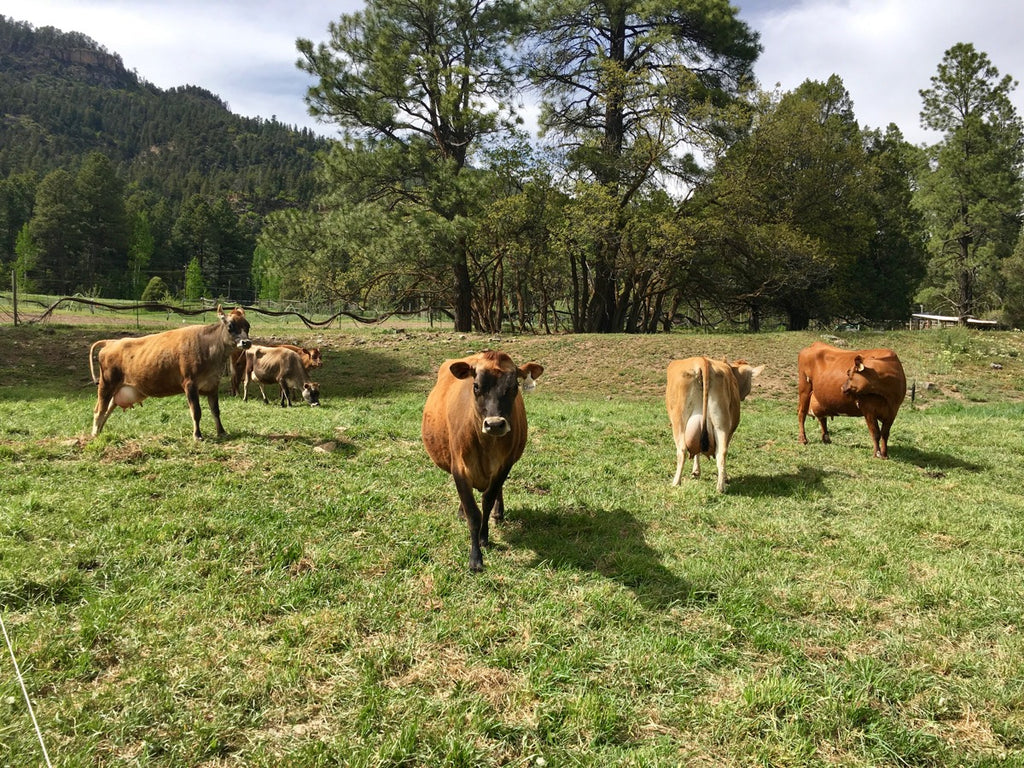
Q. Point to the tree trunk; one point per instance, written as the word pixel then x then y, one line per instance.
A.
pixel 463 296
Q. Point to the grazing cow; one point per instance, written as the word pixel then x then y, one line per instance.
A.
pixel 311 358
pixel 474 426
pixel 839 382
pixel 162 364
pixel 703 401
pixel 282 366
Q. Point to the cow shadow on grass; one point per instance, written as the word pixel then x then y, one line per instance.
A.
pixel 609 542
pixel 805 480
pixel 931 460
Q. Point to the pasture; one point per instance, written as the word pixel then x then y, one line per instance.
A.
pixel 297 592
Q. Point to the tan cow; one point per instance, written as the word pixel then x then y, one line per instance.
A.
pixel 851 382
pixel 474 427
pixel 189 360
pixel 703 401
pixel 310 356
pixel 282 366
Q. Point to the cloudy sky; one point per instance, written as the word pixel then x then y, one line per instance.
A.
pixel 244 50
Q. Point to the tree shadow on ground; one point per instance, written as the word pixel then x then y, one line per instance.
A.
pixel 609 542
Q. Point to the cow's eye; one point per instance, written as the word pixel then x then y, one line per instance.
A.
pixel 476 388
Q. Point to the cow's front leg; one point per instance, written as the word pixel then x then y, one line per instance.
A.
pixel 473 519
pixel 214 401
pixel 876 436
pixel 192 395
pixel 286 399
pixel 884 440
pixel 494 501
pixel 825 437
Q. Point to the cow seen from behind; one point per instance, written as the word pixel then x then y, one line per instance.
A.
pixel 839 382
pixel 703 398
pixel 189 360
pixel 474 427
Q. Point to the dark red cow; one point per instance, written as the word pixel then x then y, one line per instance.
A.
pixel 839 382
pixel 189 360
pixel 474 426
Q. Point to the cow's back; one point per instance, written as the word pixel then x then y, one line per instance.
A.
pixel 157 364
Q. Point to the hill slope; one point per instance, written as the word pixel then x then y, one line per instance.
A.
pixel 62 95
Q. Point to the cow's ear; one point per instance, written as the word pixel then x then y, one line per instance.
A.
pixel 529 373
pixel 461 370
pixel 754 372
pixel 858 364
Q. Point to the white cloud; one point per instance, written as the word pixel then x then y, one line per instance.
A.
pixel 885 51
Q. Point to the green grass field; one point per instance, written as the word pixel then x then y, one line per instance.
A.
pixel 297 593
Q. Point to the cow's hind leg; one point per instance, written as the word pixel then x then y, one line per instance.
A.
pixel 105 405
pixel 680 461
pixel 720 462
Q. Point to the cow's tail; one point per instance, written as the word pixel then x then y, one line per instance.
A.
pixel 913 391
pixel 705 374
pixel 92 350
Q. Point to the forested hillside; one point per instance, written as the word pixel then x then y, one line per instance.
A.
pixel 180 176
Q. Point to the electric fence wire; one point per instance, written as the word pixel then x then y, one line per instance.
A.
pixel 24 691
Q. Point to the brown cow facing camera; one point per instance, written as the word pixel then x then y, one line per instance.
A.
pixel 189 360
pixel 703 400
pixel 839 382
pixel 474 427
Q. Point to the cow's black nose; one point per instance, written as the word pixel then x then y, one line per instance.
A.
pixel 244 343
pixel 495 425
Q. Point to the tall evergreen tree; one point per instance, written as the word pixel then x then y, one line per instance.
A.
pixel 624 83
pixel 971 196
pixel 428 81
pixel 102 263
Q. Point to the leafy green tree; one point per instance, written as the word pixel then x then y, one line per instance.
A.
pixel 156 290
pixel 625 85
pixel 140 251
pixel 422 83
pixel 26 253
pixel 195 285
pixel 971 196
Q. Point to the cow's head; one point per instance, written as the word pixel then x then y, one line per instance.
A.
pixel 311 393
pixel 495 387
pixel 237 326
pixel 312 357
pixel 745 375
pixel 858 378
